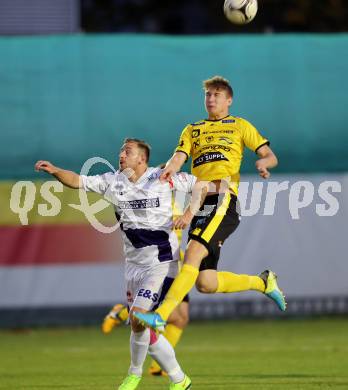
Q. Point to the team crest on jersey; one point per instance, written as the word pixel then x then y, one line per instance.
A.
pixel 208 158
pixel 196 133
pixel 209 138
pixel 118 188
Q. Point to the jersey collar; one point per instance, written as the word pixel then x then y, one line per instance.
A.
pixel 144 175
pixel 217 120
pixel 140 179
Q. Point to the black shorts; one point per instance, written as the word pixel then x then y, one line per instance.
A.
pixel 219 220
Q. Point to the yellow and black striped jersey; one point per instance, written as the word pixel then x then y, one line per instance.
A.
pixel 217 147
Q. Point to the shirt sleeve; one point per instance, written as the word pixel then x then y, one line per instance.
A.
pixel 97 183
pixel 252 138
pixel 183 181
pixel 185 142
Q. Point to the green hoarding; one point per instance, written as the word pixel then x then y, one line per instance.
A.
pixel 68 98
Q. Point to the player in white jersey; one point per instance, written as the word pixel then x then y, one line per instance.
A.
pixel 143 207
pixel 179 318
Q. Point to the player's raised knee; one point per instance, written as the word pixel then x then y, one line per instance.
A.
pixel 205 287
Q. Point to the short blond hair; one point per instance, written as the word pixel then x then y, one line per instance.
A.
pixel 218 82
pixel 142 145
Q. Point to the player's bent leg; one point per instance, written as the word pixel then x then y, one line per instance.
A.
pixel 229 282
pixel 177 321
pixel 185 279
pixel 182 284
pixel 211 281
pixel 180 316
pixel 173 334
pixel 272 290
pixel 207 281
pixel 117 315
pixel 161 351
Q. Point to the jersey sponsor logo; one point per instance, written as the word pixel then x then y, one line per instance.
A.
pixel 228 121
pixel 226 140
pixel 208 158
pixel 198 124
pixel 148 294
pixel 218 131
pixel 216 147
pixel 139 204
pixel 209 139
pixel 196 133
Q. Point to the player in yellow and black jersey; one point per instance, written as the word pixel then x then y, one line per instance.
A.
pixel 216 145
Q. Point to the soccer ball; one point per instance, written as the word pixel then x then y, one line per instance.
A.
pixel 240 11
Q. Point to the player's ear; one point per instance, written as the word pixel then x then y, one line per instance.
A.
pixel 142 158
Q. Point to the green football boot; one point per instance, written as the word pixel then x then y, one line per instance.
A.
pixel 130 383
pixel 184 385
pixel 272 290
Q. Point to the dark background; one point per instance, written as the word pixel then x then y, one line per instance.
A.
pixel 206 16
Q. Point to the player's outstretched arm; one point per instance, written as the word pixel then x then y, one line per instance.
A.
pixel 68 178
pixel 266 161
pixel 173 165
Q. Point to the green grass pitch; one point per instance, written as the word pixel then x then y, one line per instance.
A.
pixel 258 355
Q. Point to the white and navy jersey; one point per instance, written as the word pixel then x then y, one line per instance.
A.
pixel 144 211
